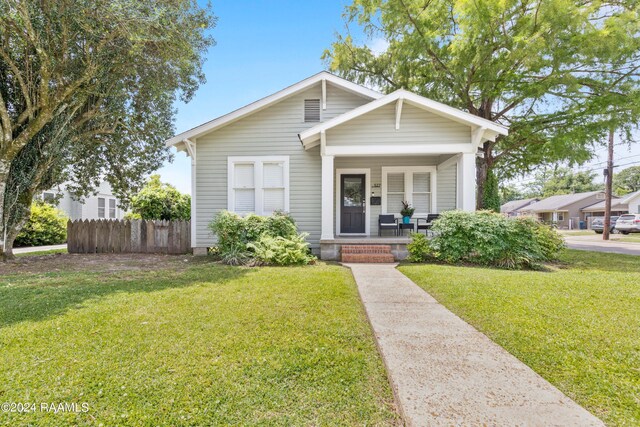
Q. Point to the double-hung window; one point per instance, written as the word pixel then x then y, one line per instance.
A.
pixel 414 184
pixel 101 207
pixel 112 208
pixel 258 184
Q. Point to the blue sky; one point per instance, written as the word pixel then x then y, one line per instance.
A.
pixel 262 47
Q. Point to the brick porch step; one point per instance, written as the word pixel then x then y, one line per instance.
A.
pixel 367 253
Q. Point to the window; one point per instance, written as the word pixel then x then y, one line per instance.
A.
pixel 311 110
pixel 101 207
pixel 112 208
pixel 560 216
pixel 415 184
pixel 48 197
pixel 258 184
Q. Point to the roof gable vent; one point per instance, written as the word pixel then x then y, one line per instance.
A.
pixel 311 110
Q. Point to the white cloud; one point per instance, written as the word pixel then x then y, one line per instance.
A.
pixel 378 46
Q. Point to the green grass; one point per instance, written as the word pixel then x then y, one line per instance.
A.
pixel 192 344
pixel 578 326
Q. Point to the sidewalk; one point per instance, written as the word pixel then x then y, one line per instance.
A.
pixel 38 248
pixel 444 372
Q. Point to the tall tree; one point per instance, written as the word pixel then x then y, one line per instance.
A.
pixel 87 90
pixel 159 200
pixel 559 73
pixel 561 180
pixel 627 180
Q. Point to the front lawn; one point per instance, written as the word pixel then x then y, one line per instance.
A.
pixel 165 340
pixel 578 325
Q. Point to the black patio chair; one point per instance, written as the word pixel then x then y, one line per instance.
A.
pixel 428 222
pixel 387 222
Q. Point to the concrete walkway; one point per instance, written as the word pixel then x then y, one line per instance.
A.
pixel 444 372
pixel 38 248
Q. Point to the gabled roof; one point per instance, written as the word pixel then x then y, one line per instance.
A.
pixel 270 100
pixel 516 204
pixel 491 129
pixel 617 204
pixel 557 203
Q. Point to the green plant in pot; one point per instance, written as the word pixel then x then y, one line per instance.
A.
pixel 407 212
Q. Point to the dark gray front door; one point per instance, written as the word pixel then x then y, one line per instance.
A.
pixel 352 203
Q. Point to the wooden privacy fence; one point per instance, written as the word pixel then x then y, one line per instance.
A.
pixel 124 236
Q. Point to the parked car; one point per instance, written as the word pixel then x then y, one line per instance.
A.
pixel 628 223
pixel 597 224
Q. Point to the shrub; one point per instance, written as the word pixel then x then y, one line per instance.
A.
pixel 488 238
pixel 158 200
pixel 419 249
pixel 46 226
pixel 255 239
pixel 269 250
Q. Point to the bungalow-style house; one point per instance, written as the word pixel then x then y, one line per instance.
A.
pixel 565 211
pixel 335 155
pixel 629 203
pixel 513 207
pixel 103 205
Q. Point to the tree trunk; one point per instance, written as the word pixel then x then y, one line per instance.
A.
pixel 4 175
pixel 484 166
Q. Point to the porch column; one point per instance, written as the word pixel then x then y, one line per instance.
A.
pixel 467 182
pixel 327 197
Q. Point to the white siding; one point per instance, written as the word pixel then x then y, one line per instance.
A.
pixel 270 132
pixel 416 127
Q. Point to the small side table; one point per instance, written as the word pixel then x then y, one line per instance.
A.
pixel 402 226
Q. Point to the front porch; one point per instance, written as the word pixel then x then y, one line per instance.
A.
pixel 401 147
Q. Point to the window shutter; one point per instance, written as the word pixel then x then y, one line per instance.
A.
pixel 311 110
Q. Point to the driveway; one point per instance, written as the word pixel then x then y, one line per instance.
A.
pixel 595 243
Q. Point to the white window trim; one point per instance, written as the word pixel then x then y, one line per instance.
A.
pixel 408 184
pixel 367 193
pixel 257 162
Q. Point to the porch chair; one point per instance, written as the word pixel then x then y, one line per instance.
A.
pixel 387 222
pixel 428 222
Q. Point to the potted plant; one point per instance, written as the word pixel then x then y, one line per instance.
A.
pixel 407 212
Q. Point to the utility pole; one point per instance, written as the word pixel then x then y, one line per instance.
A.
pixel 608 173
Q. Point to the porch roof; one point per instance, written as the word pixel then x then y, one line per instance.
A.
pixel 484 129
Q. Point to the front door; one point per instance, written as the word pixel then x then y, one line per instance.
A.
pixel 352 204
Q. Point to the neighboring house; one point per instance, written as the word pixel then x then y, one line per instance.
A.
pixel 512 208
pixel 335 155
pixel 103 205
pixel 629 203
pixel 563 210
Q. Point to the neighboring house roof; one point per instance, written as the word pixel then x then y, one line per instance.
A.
pixel 558 203
pixel 617 204
pixel 514 205
pixel 270 100
pixel 489 130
